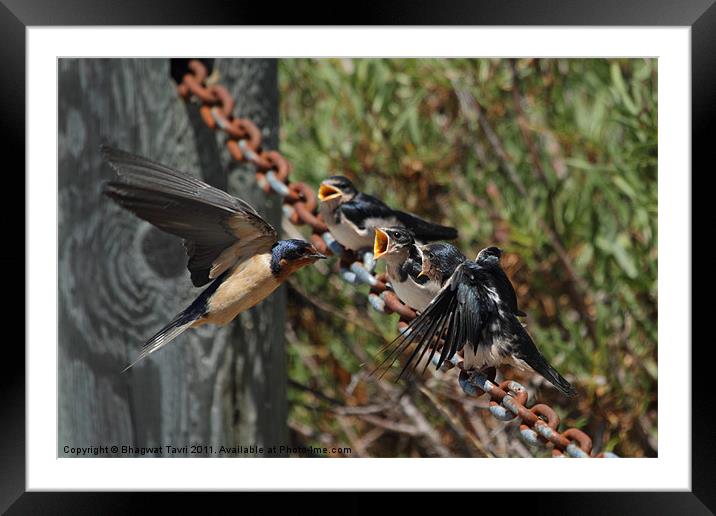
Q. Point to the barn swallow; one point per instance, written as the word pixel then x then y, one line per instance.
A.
pixel 441 259
pixel 470 315
pixel 403 259
pixel 352 216
pixel 230 247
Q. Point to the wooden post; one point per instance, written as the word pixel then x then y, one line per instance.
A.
pixel 120 279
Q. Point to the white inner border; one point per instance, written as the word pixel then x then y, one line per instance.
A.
pixel 672 470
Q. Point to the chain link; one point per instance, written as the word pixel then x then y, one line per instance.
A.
pixel 538 424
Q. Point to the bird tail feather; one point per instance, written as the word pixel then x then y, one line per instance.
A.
pixel 176 327
pixel 539 364
pixel 182 321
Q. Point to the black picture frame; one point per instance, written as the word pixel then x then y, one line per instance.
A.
pixel 17 15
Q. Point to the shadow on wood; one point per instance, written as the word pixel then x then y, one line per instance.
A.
pixel 120 279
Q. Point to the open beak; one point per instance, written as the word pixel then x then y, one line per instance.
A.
pixel 380 244
pixel 426 267
pixel 317 256
pixel 327 192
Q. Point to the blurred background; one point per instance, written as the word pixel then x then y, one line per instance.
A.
pixel 554 161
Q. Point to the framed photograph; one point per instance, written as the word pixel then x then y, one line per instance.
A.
pixel 389 256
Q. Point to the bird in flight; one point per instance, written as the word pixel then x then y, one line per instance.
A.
pixel 230 246
pixel 474 312
pixel 403 258
pixel 352 216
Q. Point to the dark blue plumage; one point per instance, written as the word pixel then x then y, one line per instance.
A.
pixel 352 216
pixel 441 260
pixel 474 313
pixel 228 243
pixel 291 250
pixel 489 258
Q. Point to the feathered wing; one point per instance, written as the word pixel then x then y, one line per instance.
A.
pixel 503 286
pixel 452 319
pixel 425 231
pixel 365 207
pixel 218 229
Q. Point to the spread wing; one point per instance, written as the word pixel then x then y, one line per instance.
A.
pixel 455 317
pixel 218 229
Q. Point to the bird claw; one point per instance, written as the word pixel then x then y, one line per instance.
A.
pixel 476 383
pixel 468 387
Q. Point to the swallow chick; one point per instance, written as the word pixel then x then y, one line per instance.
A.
pixel 230 246
pixel 403 259
pixel 441 259
pixel 352 216
pixel 469 314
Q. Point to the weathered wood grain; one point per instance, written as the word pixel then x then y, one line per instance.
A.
pixel 120 279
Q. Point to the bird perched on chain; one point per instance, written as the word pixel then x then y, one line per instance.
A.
pixel 416 281
pixel 403 259
pixel 230 247
pixel 441 259
pixel 352 216
pixel 471 313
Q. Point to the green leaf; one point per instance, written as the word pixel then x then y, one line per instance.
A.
pixel 623 257
pixel 618 81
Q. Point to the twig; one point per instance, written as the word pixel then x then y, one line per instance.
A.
pixel 370 437
pixel 338 407
pixel 318 394
pixel 419 427
pixel 425 428
pixel 393 426
pixel 325 307
pixel 481 430
pixel 356 445
pixel 455 425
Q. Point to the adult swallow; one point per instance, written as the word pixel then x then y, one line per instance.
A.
pixel 404 265
pixel 230 247
pixel 470 314
pixel 352 216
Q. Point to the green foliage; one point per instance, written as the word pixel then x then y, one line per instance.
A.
pixel 572 165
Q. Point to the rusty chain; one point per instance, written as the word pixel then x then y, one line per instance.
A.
pixel 243 141
pixel 272 173
pixel 538 425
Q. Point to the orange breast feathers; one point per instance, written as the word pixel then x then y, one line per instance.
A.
pixel 249 284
